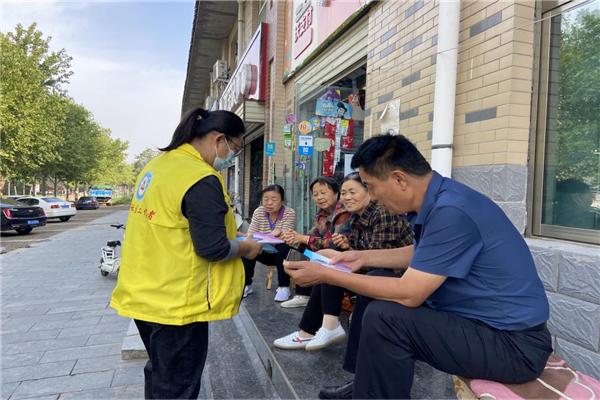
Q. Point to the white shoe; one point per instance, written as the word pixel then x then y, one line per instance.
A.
pixel 282 294
pixel 247 290
pixel 325 337
pixel 293 341
pixel 296 301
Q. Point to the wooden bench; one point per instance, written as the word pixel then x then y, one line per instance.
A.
pixel 558 381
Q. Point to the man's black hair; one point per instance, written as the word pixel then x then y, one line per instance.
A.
pixel 382 154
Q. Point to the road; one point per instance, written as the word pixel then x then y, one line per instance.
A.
pixel 12 241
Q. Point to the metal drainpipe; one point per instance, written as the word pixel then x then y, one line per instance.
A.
pixel 240 32
pixel 445 87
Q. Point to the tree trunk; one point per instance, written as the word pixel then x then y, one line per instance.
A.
pixel 44 185
pixel 33 187
pixel 55 186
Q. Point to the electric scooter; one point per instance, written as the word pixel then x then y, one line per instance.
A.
pixel 110 260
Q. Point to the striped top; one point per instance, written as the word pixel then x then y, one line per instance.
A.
pixel 260 221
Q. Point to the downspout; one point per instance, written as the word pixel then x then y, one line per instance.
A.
pixel 445 87
pixel 240 32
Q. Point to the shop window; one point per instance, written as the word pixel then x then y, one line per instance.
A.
pixel 567 184
pixel 333 118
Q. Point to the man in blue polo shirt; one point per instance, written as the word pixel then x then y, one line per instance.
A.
pixel 470 302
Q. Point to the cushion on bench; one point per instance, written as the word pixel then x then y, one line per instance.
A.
pixel 558 381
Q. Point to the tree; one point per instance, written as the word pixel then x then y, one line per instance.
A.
pixel 578 121
pixel 142 159
pixel 31 106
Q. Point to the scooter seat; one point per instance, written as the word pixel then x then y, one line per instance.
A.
pixel 113 243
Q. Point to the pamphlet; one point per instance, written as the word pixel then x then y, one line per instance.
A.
pixel 326 262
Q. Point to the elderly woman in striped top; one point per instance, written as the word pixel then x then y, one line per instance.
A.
pixel 271 217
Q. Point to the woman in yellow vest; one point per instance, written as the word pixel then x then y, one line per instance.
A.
pixel 181 264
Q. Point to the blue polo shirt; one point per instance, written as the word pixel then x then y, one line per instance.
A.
pixel 465 236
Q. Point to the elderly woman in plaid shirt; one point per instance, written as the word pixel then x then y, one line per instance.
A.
pixel 332 219
pixel 371 227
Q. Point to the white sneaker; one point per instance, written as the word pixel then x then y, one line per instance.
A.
pixel 325 337
pixel 282 294
pixel 247 290
pixel 293 341
pixel 296 301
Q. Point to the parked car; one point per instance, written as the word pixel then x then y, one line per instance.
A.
pixel 87 203
pixel 20 217
pixel 53 206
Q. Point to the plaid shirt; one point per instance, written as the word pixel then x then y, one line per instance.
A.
pixel 328 224
pixel 377 228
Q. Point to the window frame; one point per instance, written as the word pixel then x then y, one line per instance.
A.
pixel 538 228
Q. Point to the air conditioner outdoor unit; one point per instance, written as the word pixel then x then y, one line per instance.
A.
pixel 220 70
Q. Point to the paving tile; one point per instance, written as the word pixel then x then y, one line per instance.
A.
pixel 128 376
pixel 121 392
pixel 92 329
pixel 29 336
pixel 105 338
pixel 72 383
pixel 82 352
pixel 8 389
pixel 43 345
pixel 19 360
pixel 69 323
pixel 37 371
pixel 105 363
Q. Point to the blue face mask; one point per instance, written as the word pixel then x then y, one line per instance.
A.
pixel 222 163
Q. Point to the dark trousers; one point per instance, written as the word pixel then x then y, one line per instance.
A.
pixel 324 299
pixel 277 259
pixel 356 325
pixel 176 359
pixel 394 336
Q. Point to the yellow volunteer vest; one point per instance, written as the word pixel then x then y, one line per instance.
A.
pixel 161 279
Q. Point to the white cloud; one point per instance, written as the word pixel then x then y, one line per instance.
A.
pixel 126 90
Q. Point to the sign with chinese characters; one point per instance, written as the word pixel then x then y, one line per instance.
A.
pixel 305 127
pixel 269 148
pixel 305 145
pixel 303 27
pixel 247 81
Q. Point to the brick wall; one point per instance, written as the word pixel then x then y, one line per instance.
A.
pixel 495 61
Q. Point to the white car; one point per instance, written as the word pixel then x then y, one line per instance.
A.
pixel 53 206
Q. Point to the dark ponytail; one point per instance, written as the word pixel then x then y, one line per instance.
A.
pixel 198 122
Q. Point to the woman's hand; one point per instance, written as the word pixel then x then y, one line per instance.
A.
pixel 250 248
pixel 294 239
pixel 276 232
pixel 340 241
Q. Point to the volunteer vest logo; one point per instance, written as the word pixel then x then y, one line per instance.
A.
pixel 143 186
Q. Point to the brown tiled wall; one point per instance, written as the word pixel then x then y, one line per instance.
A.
pixel 495 61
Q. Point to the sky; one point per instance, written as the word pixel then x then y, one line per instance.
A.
pixel 129 60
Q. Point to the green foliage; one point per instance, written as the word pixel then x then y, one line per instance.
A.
pixel 45 134
pixel 142 159
pixel 30 106
pixel 578 121
pixel 121 200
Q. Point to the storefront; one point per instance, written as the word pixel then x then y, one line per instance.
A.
pixel 245 95
pixel 326 87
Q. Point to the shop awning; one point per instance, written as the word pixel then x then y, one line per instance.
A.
pixel 253 114
pixel 213 20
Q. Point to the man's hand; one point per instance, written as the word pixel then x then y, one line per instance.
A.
pixel 340 241
pixel 305 273
pixel 353 259
pixel 250 248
